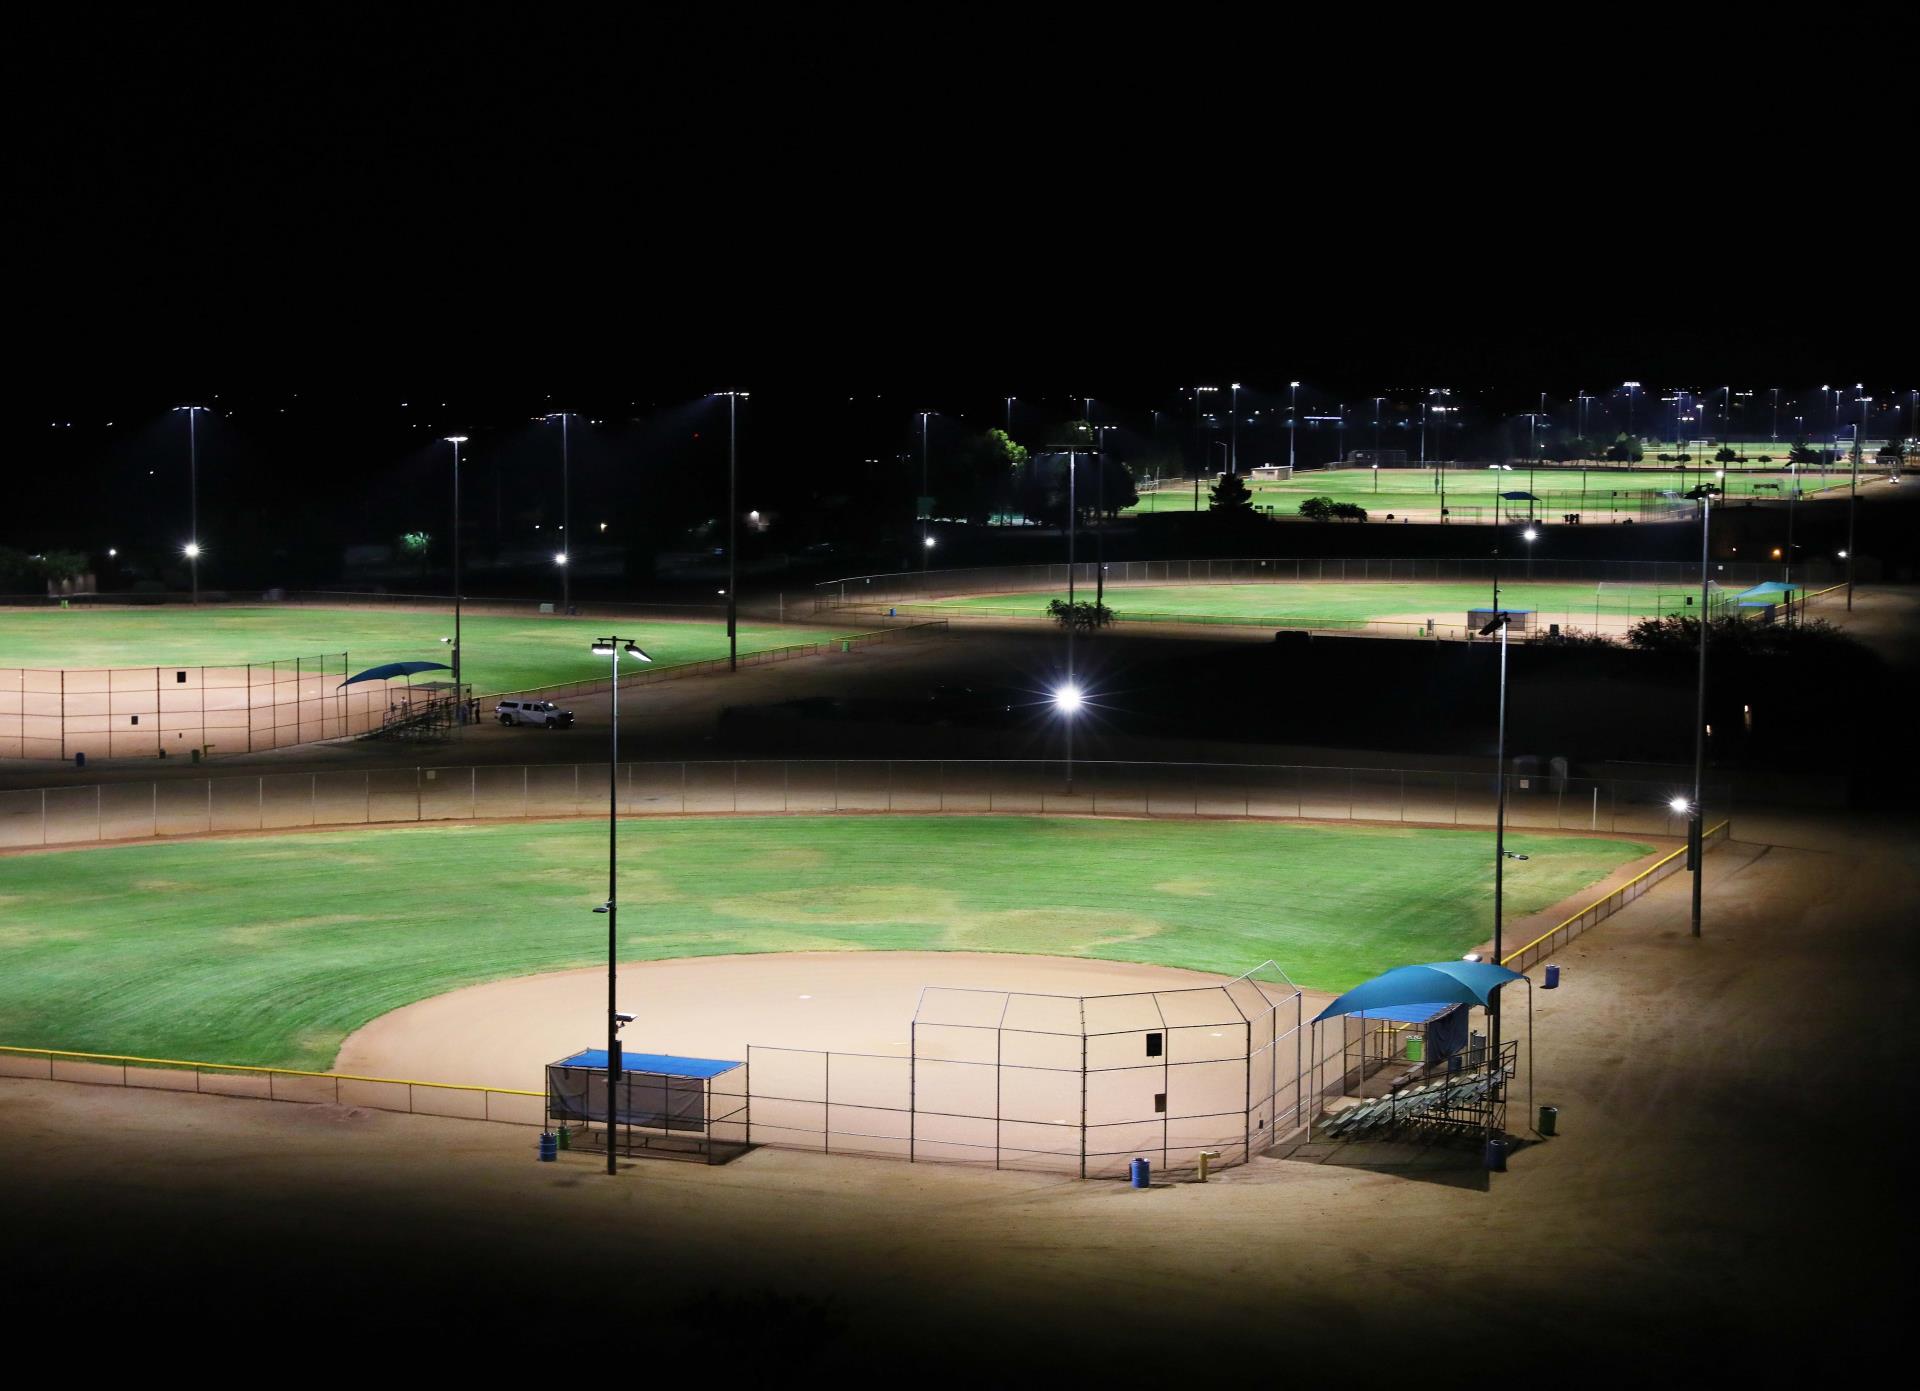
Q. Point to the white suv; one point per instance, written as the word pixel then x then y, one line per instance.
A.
pixel 540 712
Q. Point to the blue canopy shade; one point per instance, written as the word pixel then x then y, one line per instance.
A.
pixel 662 1064
pixel 1522 496
pixel 1767 590
pixel 1442 982
pixel 393 669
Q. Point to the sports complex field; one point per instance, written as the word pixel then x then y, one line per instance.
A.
pixel 1472 494
pixel 271 950
pixel 499 653
pixel 1583 604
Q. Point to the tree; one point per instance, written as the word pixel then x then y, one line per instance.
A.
pixel 1803 453
pixel 1317 509
pixel 1892 456
pixel 1082 617
pixel 413 547
pixel 1231 496
pixel 1725 455
pixel 1349 512
pixel 1625 449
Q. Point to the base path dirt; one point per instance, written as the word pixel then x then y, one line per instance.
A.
pixel 502 1034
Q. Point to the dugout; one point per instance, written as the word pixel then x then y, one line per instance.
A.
pixel 658 1105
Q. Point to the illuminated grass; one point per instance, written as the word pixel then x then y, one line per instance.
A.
pixel 271 950
pixel 499 653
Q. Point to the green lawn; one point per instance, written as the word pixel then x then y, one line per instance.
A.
pixel 499 654
pixel 1417 490
pixel 270 951
pixel 1581 604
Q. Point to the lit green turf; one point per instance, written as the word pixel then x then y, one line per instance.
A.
pixel 270 951
pixel 499 654
pixel 1559 489
pixel 1579 604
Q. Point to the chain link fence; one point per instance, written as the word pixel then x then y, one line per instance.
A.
pixel 130 811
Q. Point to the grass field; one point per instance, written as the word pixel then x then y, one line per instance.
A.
pixel 270 951
pixel 500 653
pixel 1581 604
pixel 1416 490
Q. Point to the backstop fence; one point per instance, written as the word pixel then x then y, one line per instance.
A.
pixel 146 712
pixel 913 585
pixel 123 811
pixel 1067 1084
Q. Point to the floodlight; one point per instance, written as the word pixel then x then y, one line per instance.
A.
pixel 1068 699
pixel 560 558
pixel 1679 805
pixel 1530 535
pixel 603 649
pixel 111 553
pixel 455 439
pixel 192 550
pixel 1499 620
pixel 605 907
pixel 637 654
pixel 930 541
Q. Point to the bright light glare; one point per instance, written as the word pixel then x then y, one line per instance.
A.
pixel 192 550
pixel 637 654
pixel 601 649
pixel 930 541
pixel 1530 534
pixel 1679 805
pixel 560 558
pixel 1067 699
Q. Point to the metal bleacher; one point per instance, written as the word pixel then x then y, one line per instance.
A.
pixel 1449 1100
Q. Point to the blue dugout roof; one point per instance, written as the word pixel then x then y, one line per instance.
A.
pixel 664 1064
pixel 1437 983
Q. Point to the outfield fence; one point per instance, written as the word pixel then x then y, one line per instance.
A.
pixel 448 1100
pixel 133 811
pixel 913 585
pixel 1524 958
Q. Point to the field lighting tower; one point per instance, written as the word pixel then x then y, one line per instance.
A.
pixel 566 518
pixel 1853 491
pixel 1233 431
pixel 459 691
pixel 733 522
pixel 926 502
pixel 1499 623
pixel 611 648
pixel 192 548
pixel 1293 419
pixel 1694 809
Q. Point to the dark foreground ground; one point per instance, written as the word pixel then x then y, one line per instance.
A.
pixel 1724 1194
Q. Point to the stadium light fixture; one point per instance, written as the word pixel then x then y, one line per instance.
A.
pixel 1068 698
pixel 1530 535
pixel 611 648
pixel 1679 805
pixel 560 558
pixel 193 496
pixel 928 542
pixel 191 550
pixel 459 691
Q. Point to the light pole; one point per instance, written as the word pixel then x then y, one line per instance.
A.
pixel 1376 428
pixel 611 648
pixel 566 517
pixel 1853 495
pixel 459 691
pixel 733 527
pixel 1067 700
pixel 1293 419
pixel 1233 431
pixel 1499 622
pixel 926 503
pixel 1010 401
pixel 192 548
pixel 1100 528
pixel 1704 492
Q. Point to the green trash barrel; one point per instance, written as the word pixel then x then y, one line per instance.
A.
pixel 1416 1048
pixel 1549 1119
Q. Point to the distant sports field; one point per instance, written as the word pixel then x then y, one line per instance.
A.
pixel 1580 604
pixel 271 950
pixel 499 653
pixel 1594 493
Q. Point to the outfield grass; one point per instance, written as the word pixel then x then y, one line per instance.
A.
pixel 499 653
pixel 1579 603
pixel 270 951
pixel 1415 490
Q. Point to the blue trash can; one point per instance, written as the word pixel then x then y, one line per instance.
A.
pixel 1141 1173
pixel 79 760
pixel 1496 1156
pixel 549 1147
pixel 1553 978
